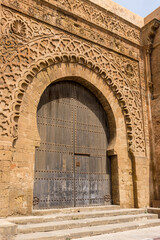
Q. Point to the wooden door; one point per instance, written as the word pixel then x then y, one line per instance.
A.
pixel 71 166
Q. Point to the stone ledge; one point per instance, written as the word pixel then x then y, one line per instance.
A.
pixel 8 230
pixel 121 11
pixel 154 210
pixel 152 15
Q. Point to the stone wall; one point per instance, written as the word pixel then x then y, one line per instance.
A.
pixel 154 15
pixel 151 43
pixel 155 105
pixel 5 165
pixel 53 40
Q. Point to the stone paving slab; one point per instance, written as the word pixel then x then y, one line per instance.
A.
pixel 152 233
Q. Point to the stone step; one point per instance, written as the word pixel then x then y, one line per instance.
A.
pixel 154 210
pixel 89 231
pixel 74 210
pixel 69 224
pixel 74 216
pixel 149 233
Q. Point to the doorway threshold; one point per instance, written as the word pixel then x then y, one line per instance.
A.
pixel 42 212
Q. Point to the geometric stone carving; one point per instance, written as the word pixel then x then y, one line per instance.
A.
pixel 85 10
pixel 100 17
pixel 48 46
pixel 129 70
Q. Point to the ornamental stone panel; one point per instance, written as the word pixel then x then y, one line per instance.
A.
pixel 47 41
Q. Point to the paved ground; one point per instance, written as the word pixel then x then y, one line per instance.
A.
pixel 142 234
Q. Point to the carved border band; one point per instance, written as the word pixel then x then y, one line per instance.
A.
pixel 85 10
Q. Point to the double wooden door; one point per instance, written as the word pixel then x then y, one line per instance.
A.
pixel 71 166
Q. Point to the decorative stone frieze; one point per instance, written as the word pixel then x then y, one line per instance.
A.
pixel 79 8
pixel 44 46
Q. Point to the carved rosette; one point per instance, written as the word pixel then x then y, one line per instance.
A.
pixel 129 70
pixel 19 28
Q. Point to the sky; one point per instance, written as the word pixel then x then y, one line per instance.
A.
pixel 140 7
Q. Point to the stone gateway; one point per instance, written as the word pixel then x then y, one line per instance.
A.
pixel 79 106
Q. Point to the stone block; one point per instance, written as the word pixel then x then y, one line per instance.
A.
pixel 8 230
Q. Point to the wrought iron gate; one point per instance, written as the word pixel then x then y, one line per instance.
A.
pixel 71 166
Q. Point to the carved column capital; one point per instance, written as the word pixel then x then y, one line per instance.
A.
pixel 149 32
pixel 148 49
pixel 148 35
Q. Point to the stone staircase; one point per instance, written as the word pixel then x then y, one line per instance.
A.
pixel 75 223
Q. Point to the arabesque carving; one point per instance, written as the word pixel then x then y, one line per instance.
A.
pixel 83 9
pixel 60 20
pixel 17 31
pixel 44 47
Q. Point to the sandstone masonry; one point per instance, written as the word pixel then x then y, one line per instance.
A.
pixel 116 58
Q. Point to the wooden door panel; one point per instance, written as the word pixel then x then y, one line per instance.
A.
pixel 54 177
pixel 91 139
pixel 71 165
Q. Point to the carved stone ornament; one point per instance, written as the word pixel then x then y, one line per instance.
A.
pixel 152 31
pixel 148 34
pixel 44 46
pixel 19 28
pixel 82 8
pixel 129 70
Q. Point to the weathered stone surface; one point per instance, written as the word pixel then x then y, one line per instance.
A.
pixel 77 40
pixel 155 14
pixel 81 222
pixel 151 41
pixel 8 230
pixel 120 11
